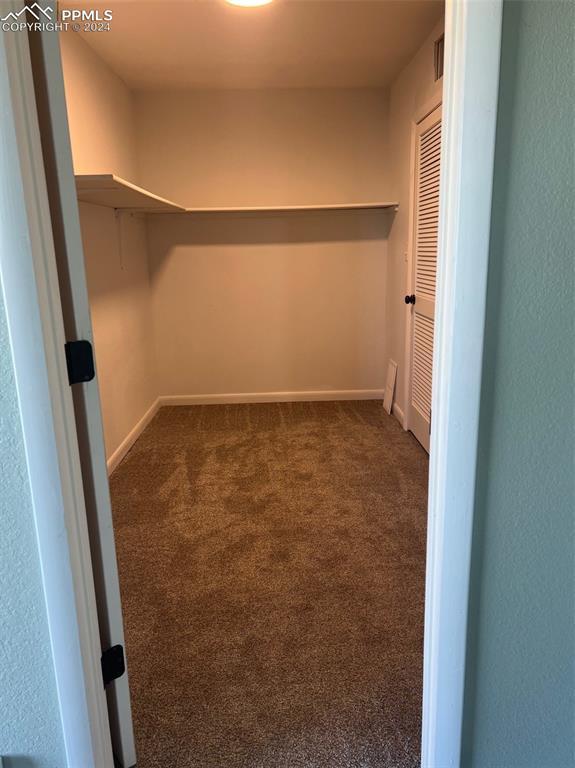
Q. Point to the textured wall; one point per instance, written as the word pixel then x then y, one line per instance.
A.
pixel 30 730
pixel 520 697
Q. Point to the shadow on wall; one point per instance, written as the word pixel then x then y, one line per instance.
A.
pixel 19 761
pixel 245 228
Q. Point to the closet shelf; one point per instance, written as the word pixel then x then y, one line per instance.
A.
pixel 114 192
pixel 296 208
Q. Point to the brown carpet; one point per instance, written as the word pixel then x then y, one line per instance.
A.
pixel 272 572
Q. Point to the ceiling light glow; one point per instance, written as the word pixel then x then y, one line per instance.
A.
pixel 249 3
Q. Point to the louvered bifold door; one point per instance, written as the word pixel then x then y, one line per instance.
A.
pixel 426 219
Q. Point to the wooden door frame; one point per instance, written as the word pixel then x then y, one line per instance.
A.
pixel 472 53
pixel 421 113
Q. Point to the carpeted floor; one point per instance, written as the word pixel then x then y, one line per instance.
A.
pixel 272 571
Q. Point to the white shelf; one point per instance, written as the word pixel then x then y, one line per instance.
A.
pixel 113 192
pixel 297 208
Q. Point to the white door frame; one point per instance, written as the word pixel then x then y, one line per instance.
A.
pixel 472 52
pixel 470 95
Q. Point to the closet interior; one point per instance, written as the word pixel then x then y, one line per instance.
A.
pixel 244 180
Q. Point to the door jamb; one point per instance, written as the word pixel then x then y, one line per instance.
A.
pixel 472 53
pixel 470 98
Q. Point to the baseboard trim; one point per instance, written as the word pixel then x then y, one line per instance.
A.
pixel 273 397
pixel 399 415
pixel 131 438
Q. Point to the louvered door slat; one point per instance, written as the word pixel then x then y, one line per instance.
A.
pixel 427 211
pixel 426 227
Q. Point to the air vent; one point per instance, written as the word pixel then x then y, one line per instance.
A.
pixel 438 57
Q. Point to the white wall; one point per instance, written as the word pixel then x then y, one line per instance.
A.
pixel 227 148
pixel 246 304
pixel 100 112
pixel 115 252
pixel 411 90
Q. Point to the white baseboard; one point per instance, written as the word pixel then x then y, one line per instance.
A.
pixel 273 397
pixel 399 415
pixel 131 438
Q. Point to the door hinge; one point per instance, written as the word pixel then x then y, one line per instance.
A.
pixel 113 664
pixel 79 361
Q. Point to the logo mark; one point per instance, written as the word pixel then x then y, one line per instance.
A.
pixel 34 10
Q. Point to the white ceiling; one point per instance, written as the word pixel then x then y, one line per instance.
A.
pixel 288 44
